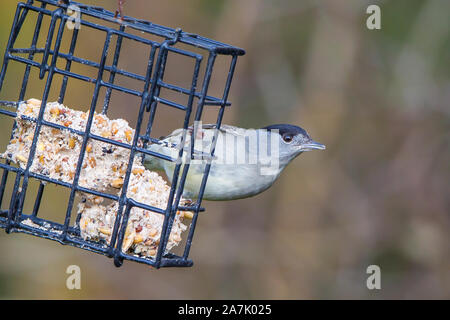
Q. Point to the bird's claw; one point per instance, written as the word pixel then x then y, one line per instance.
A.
pixel 188 202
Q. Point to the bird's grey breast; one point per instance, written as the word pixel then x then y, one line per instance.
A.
pixel 239 169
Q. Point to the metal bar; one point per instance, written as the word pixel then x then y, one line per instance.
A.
pixel 162 59
pixel 201 102
pixel 211 101
pixel 206 81
pixel 213 147
pixel 144 206
pixel 48 43
pixel 31 54
pixel 8 162
pixel 25 61
pixel 13 204
pixel 112 75
pixel 170 261
pixel 57 13
pixel 51 235
pixel 183 140
pixel 62 93
pixel 9 45
pixel 208 101
pixel 75 75
pixel 92 136
pixel 10 168
pixel 118 258
pixel 20 23
pixel 123 199
pixel 94 192
pixel 37 203
pixel 3 184
pixel 86 135
pixel 93 25
pixel 11 104
pixel 77 60
pixel 170 103
pixel 145 26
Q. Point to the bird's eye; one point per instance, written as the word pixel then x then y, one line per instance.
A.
pixel 288 138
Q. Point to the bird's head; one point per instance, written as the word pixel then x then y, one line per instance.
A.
pixel 293 140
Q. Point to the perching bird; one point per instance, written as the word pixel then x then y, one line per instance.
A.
pixel 246 161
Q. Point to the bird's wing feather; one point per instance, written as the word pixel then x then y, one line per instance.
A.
pixel 172 140
pixel 206 134
pixel 223 128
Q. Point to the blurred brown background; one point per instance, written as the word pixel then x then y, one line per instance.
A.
pixel 379 194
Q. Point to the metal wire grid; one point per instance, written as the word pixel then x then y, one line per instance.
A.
pixel 150 98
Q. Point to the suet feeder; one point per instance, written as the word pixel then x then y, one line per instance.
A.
pixel 51 60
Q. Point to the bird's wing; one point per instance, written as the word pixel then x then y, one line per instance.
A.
pixel 206 127
pixel 230 130
pixel 205 134
pixel 175 133
pixel 169 145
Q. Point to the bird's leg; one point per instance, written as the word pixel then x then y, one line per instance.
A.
pixel 119 11
pixel 188 202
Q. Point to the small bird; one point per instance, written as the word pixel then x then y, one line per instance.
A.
pixel 246 162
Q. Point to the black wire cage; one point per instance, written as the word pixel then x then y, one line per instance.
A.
pixel 50 60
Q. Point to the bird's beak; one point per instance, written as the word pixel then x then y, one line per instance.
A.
pixel 312 145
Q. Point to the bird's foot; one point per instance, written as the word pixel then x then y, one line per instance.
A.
pixel 61 2
pixel 188 202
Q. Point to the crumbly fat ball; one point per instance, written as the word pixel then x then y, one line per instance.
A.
pixel 103 169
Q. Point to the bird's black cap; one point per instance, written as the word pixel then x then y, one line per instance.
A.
pixel 287 129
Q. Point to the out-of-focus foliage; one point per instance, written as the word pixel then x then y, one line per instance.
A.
pixel 379 194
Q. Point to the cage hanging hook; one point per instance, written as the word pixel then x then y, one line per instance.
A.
pixel 176 36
